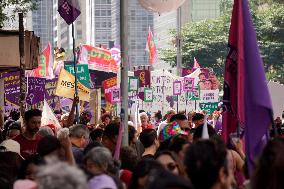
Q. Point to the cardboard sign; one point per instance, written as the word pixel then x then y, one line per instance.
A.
pixel 177 88
pixel 209 95
pixel 148 95
pixel 66 87
pixel 115 95
pixel 195 94
pixel 83 74
pixel 133 83
pixel 188 84
pixel 210 107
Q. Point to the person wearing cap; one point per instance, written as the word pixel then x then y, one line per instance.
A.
pixel 29 139
pixel 10 162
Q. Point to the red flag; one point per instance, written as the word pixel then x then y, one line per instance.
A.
pixel 151 48
pixel 44 68
pixel 246 96
pixel 195 65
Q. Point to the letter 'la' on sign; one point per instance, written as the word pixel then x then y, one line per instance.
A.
pixel 83 74
pixel 148 95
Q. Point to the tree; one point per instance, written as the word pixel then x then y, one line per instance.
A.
pixel 16 6
pixel 207 40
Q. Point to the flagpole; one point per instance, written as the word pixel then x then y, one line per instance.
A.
pixel 75 73
pixel 124 69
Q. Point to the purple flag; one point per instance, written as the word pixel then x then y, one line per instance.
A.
pixel 69 10
pixel 246 94
pixel 258 108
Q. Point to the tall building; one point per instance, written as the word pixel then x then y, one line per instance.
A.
pixel 139 22
pixel 42 21
pixel 191 10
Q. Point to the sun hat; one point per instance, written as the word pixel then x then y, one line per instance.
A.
pixel 11 146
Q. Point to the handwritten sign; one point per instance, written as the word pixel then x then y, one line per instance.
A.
pixel 148 95
pixel 188 84
pixel 83 74
pixel 210 107
pixel 209 95
pixel 115 95
pixel 177 88
pixel 132 83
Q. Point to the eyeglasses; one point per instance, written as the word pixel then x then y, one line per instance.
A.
pixel 171 166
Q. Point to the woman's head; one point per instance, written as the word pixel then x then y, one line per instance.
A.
pixel 98 160
pixel 144 118
pixel 170 162
pixel 270 168
pixel 30 167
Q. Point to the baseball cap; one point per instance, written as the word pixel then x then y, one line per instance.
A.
pixel 11 146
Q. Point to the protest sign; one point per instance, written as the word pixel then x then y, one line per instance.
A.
pixel 194 94
pixel 36 91
pixel 209 95
pixel 115 95
pixel 210 107
pixel 108 85
pixel 143 73
pixel 148 92
pixel 66 87
pixel 83 74
pixel 177 88
pixel 132 83
pixel 188 84
pixel 97 58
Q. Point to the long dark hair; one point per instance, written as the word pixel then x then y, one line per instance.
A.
pixel 270 168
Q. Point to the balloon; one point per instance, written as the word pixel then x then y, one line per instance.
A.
pixel 161 6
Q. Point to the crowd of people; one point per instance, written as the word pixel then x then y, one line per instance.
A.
pixel 163 152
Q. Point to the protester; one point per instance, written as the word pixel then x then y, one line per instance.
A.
pixel 145 121
pixel 170 162
pixel 110 136
pixel 207 85
pixel 97 135
pixel 161 179
pixel 207 165
pixel 10 162
pixel 198 119
pixel 29 139
pixel 270 167
pixel 106 119
pixel 202 76
pixel 179 146
pixel 29 167
pixel 141 173
pixel 45 131
pixel 67 120
pixel 157 119
pixel 128 158
pixel 149 139
pixel 58 175
pixel 181 120
pixel 79 137
pixel 214 81
pixel 14 130
pixel 134 143
pixel 168 116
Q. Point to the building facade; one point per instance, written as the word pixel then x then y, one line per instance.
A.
pixel 139 22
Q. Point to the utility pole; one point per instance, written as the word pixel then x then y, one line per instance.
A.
pixel 22 64
pixel 124 69
pixel 179 56
pixel 178 42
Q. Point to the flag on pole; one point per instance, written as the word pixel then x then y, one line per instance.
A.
pixel 196 64
pixel 69 10
pixel 44 68
pixel 151 47
pixel 246 97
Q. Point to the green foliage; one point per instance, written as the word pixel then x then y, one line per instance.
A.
pixel 207 40
pixel 16 6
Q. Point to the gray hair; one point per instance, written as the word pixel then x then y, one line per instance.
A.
pixel 100 156
pixel 79 130
pixel 58 175
pixel 45 131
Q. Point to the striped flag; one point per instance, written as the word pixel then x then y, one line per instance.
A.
pixel 151 47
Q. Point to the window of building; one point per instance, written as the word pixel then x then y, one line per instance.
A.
pixel 97 13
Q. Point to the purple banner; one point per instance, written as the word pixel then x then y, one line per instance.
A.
pixel 12 91
pixel 36 90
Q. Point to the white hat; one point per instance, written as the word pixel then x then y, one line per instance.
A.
pixel 12 146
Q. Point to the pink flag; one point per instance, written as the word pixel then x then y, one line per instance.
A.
pixel 151 47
